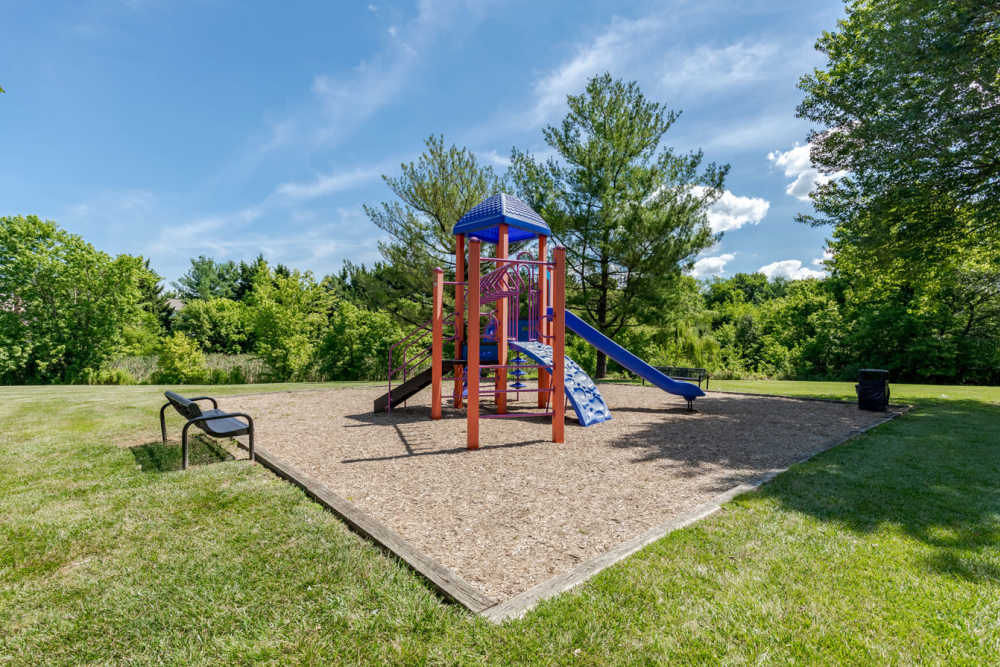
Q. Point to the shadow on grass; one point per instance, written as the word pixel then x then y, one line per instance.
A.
pixel 934 475
pixel 160 457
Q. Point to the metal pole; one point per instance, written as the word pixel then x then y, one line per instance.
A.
pixel 437 344
pixel 543 377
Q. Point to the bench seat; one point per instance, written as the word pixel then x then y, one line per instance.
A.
pixel 218 425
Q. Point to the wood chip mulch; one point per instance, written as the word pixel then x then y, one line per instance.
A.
pixel 522 509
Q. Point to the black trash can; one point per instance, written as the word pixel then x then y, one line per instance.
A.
pixel 873 389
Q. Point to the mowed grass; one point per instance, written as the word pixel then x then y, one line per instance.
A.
pixel 882 550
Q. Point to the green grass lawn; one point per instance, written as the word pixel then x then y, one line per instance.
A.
pixel 883 550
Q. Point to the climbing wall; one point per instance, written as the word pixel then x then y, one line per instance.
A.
pixel 580 389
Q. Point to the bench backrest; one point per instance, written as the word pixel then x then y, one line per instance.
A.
pixel 185 407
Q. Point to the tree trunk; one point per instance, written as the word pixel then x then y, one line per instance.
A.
pixel 602 313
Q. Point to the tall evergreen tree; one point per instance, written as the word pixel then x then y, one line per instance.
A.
pixel 208 279
pixel 431 195
pixel 153 299
pixel 631 212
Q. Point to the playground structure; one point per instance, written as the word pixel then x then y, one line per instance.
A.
pixel 528 316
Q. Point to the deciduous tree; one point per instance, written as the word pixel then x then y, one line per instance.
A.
pixel 63 304
pixel 909 109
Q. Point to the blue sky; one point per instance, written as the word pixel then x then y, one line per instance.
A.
pixel 173 129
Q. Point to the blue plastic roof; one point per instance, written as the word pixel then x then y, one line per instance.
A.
pixel 484 219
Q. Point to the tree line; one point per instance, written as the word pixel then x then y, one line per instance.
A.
pixel 908 106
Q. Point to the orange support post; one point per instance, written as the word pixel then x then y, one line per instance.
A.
pixel 559 345
pixel 437 343
pixel 502 313
pixel 459 313
pixel 472 412
pixel 543 377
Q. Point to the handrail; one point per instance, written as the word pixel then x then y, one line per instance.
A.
pixel 412 352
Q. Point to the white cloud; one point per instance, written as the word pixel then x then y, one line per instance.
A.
pixel 733 211
pixel 791 269
pixel 798 167
pixel 494 158
pixel 711 266
pixel 734 65
pixel 617 46
pixel 346 101
pixel 329 183
pixel 208 235
pixel 821 261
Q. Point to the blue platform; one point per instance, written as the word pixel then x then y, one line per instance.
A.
pixel 580 389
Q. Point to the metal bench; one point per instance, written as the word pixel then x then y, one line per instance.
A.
pixel 687 374
pixel 214 422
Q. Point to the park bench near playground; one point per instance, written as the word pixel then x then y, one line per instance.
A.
pixel 686 374
pixel 214 422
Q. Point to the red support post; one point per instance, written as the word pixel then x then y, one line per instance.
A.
pixel 459 313
pixel 437 343
pixel 472 337
pixel 559 345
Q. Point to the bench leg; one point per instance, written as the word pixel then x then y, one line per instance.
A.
pixel 184 446
pixel 163 424
pixel 251 443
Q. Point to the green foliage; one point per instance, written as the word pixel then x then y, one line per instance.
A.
pixel 246 272
pixel 208 279
pixel 180 361
pixel 218 325
pixel 63 304
pixel 107 376
pixel 290 316
pixel 908 98
pixel 357 344
pixel 433 193
pixel 945 325
pixel 154 300
pixel 631 212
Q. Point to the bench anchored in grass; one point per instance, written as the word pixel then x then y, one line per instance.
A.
pixel 214 422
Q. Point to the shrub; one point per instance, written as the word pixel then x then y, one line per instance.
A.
pixel 116 376
pixel 357 344
pixel 180 361
pixel 291 315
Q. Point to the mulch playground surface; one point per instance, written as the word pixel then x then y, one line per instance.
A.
pixel 521 509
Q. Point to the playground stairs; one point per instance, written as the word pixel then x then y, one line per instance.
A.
pixel 412 385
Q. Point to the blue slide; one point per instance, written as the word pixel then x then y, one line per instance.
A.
pixel 631 362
